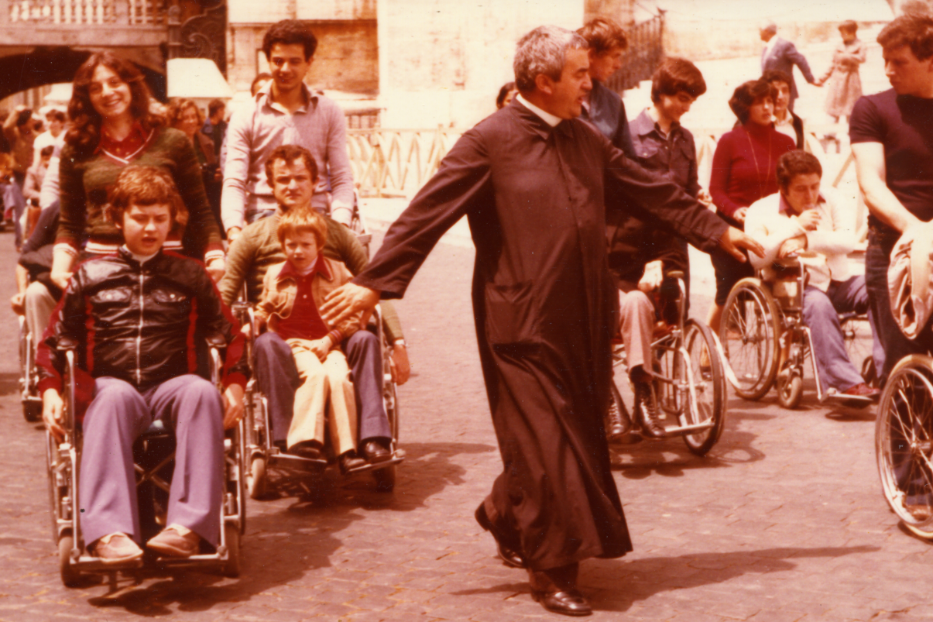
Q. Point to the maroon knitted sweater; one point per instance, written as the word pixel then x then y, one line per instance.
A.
pixel 744 167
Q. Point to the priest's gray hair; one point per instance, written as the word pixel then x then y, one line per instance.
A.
pixel 543 51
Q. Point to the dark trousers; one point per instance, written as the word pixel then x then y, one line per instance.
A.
pixel 116 417
pixel 894 345
pixel 277 377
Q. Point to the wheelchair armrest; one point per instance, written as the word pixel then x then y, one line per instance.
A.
pixel 215 340
pixel 676 274
pixel 67 343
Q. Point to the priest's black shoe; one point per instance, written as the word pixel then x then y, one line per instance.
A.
pixel 556 590
pixel 646 411
pixel 508 555
pixel 375 451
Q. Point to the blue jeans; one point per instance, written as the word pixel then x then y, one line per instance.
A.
pixel 894 345
pixel 821 315
pixel 277 378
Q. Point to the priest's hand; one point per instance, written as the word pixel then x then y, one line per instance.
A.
pixel 347 300
pixel 734 241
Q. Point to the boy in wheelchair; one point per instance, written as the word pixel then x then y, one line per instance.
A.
pixel 292 175
pixel 640 257
pixel 292 294
pixel 802 221
pixel 135 318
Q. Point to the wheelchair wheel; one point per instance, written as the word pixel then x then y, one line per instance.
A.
pixel 749 332
pixel 231 567
pixel 904 443
pixel 385 479
pixel 789 388
pixel 70 577
pixel 256 479
pixel 709 387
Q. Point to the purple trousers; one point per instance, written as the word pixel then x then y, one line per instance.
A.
pixel 116 417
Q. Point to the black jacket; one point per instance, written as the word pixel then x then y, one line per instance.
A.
pixel 142 323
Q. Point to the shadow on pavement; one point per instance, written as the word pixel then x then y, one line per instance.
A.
pixel 643 578
pixel 615 585
pixel 281 546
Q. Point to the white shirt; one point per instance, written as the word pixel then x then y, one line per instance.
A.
pixel 768 47
pixel 770 222
pixel 45 139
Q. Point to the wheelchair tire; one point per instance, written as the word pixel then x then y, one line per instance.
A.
pixel 256 479
pixel 70 577
pixel 231 567
pixel 903 446
pixel 749 333
pixel 789 390
pixel 32 411
pixel 385 479
pixel 709 387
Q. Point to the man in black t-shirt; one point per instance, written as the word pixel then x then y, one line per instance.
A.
pixel 892 141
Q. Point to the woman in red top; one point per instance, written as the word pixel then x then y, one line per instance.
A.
pixel 744 170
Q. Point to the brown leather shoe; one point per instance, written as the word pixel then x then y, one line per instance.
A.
pixel 116 548
pixel 508 554
pixel 175 541
pixel 556 590
pixel 310 450
pixel 646 411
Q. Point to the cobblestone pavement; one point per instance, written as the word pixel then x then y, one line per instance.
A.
pixel 783 521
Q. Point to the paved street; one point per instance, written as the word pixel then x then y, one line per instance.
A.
pixel 782 521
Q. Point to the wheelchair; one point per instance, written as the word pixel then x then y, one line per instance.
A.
pixel 263 453
pixel 29 392
pixel 766 343
pixel 904 443
pixel 153 461
pixel 688 378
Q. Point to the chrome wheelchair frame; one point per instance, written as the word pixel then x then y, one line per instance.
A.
pixel 63 461
pixel 761 320
pixel 688 379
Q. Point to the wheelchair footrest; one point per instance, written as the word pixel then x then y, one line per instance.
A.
pixel 376 466
pixel 688 429
pixel 855 401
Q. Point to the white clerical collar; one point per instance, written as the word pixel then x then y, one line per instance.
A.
pixel 140 258
pixel 547 117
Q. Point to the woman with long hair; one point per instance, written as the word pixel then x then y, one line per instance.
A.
pixel 184 115
pixel 112 127
pixel 744 170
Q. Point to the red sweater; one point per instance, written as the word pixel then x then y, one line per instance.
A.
pixel 744 167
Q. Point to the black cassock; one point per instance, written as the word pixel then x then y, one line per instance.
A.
pixel 544 305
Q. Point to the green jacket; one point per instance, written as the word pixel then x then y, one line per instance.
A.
pixel 258 248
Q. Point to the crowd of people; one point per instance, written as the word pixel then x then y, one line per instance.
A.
pixel 140 225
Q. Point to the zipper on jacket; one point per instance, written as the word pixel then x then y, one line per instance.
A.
pixel 139 336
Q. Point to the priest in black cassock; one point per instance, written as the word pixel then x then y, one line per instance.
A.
pixel 531 179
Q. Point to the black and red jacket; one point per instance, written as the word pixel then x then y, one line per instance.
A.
pixel 142 323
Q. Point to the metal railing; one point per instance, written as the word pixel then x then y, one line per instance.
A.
pixel 84 12
pixel 396 162
pixel 643 55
